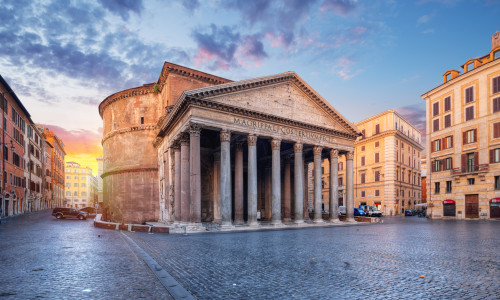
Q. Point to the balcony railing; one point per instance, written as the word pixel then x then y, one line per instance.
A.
pixel 471 169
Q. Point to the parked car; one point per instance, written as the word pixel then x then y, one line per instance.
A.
pixel 342 211
pixel 370 210
pixel 408 212
pixel 91 211
pixel 68 212
pixel 359 212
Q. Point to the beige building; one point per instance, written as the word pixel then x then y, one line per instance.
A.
pixel 99 181
pixel 386 165
pixel 81 186
pixel 463 140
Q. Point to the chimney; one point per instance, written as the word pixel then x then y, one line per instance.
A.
pixel 495 40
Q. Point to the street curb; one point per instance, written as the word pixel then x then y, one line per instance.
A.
pixel 129 227
pixel 171 285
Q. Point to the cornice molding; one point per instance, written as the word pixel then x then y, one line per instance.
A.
pixel 127 130
pixel 137 91
pixel 128 170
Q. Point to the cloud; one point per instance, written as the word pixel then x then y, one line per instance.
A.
pixel 415 114
pixel 123 7
pixel 428 31
pixel 425 19
pixel 344 68
pixel 253 48
pixel 339 7
pixel 216 45
pixel 191 5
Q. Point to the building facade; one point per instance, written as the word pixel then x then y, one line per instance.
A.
pixel 48 187
pixel 219 148
pixel 386 165
pixel 99 181
pixel 463 140
pixel 80 186
pixel 57 154
pixel 34 172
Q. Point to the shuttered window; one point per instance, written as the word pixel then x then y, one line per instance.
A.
pixel 377 193
pixel 362 194
pixel 377 129
pixel 377 157
pixel 496 105
pixel 362 160
pixel 363 134
pixel 496 84
pixel 469 136
pixel 435 109
pixel 469 95
pixel 435 125
pixel 496 130
pixel 447 103
pixel 449 163
pixel 377 176
pixel 494 155
pixel 448 142
pixel 362 148
pixel 377 144
pixel 363 177
pixel 469 113
pixel 447 121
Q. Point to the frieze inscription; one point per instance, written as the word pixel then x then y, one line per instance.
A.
pixel 283 130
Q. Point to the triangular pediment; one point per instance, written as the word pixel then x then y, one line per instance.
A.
pixel 283 95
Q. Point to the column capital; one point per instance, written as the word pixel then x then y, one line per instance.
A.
pixel 252 140
pixel 184 139
pixel 176 146
pixel 334 153
pixel 350 155
pixel 225 135
pixel 194 129
pixel 317 150
pixel 298 147
pixel 275 144
pixel 239 146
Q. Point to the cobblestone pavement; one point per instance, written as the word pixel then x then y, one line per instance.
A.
pixel 458 259
pixel 41 257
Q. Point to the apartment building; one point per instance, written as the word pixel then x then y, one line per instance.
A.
pixel 81 186
pixel 463 140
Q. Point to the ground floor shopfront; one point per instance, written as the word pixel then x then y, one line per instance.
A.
pixel 235 153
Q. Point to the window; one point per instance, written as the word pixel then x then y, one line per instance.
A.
pixel 469 94
pixel 68 193
pixel 448 77
pixel 437 166
pixel 435 109
pixel 83 185
pixel 497 182
pixel 377 144
pixel 449 163
pixel 68 177
pixel 448 186
pixel 68 184
pixel 469 113
pixel 377 193
pixel 362 160
pixel 75 194
pixel 494 155
pixel 377 129
pixel 447 103
pixel 470 162
pixel 435 125
pixel 471 181
pixel 362 194
pixel 76 177
pixel 377 176
pixel 496 55
pixel 447 121
pixel 142 120
pixel 496 105
pixel 363 134
pixel 75 185
pixel 84 194
pixel 341 182
pixel 470 66
pixel 363 177
pixel 341 166
pixel 470 136
pixel 436 187
pixel 496 83
pixel 377 155
pixel 436 145
pixel 448 142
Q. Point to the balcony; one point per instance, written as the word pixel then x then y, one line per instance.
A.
pixel 472 170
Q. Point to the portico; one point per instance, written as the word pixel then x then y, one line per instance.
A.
pixel 244 147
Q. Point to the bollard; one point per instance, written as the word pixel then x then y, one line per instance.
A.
pixel 129 227
pixel 150 231
pixel 117 226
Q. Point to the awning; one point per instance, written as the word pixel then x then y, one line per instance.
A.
pixel 448 202
pixel 377 202
pixel 495 200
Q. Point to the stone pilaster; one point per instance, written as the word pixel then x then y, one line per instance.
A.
pixel 195 173
pixel 185 180
pixel 349 187
pixel 238 184
pixel 287 197
pixel 216 188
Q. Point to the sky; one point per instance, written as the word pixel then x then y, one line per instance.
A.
pixel 62 58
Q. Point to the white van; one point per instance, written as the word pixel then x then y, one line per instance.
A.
pixel 342 211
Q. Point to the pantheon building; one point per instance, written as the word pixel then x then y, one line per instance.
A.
pixel 194 148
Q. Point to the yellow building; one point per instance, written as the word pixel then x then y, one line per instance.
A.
pixel 463 140
pixel 386 165
pixel 81 186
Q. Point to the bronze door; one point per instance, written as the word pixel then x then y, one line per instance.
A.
pixel 471 206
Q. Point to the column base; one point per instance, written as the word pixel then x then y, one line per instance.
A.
pixel 226 226
pixel 334 221
pixel 287 220
pixel 317 221
pixel 253 224
pixel 238 222
pixel 276 223
pixel 350 220
pixel 298 222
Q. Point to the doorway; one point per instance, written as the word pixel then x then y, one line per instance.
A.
pixel 472 206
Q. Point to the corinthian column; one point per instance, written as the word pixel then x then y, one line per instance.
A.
pixel 334 185
pixel 195 173
pixel 252 179
pixel 238 184
pixel 177 183
pixel 185 181
pixel 298 184
pixel 276 182
pixel 317 184
pixel 216 188
pixel 225 177
pixel 349 187
pixel 287 197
